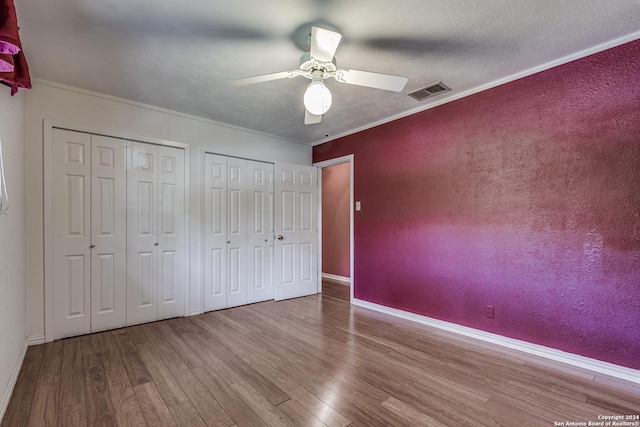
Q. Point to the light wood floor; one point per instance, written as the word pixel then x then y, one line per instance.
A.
pixel 311 361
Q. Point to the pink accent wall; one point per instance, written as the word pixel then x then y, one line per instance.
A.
pixel 335 220
pixel 525 197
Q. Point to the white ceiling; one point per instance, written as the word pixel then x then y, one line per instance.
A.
pixel 177 54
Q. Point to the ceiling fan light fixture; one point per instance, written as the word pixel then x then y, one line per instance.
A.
pixel 317 98
pixel 320 63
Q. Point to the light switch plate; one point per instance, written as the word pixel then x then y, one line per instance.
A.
pixel 358 206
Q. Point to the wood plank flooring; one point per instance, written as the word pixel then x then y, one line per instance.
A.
pixel 313 361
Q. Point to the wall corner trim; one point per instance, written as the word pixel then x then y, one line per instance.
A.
pixel 8 391
pixel 594 365
pixel 35 340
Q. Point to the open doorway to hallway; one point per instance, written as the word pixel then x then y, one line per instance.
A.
pixel 336 225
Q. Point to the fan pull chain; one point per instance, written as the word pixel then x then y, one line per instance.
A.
pixel 4 196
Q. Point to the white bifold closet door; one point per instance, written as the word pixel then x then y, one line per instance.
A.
pixel 156 253
pixel 239 252
pixel 215 239
pixel 89 233
pixel 296 212
pixel 261 231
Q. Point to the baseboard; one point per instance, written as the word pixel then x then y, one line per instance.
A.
pixel 336 278
pixel 194 313
pixel 35 340
pixel 594 365
pixel 8 391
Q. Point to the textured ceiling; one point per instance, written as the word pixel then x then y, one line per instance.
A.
pixel 177 54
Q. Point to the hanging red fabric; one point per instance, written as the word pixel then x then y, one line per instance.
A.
pixel 14 71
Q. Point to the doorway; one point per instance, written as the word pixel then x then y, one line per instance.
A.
pixel 336 215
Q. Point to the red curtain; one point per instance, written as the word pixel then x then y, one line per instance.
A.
pixel 14 71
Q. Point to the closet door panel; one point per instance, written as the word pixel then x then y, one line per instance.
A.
pixel 171 232
pixel 238 250
pixel 272 231
pixel 108 233
pixel 103 283
pixel 260 231
pixel 145 282
pixel 235 274
pixel 215 227
pixel 296 215
pixel 142 247
pixel 71 219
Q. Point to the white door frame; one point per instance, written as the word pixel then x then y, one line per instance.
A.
pixel 326 163
pixel 79 126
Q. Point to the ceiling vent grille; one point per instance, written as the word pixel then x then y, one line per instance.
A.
pixel 429 91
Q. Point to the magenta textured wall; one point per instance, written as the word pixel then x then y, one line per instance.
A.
pixel 525 197
pixel 335 220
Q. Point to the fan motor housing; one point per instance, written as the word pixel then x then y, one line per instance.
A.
pixel 307 63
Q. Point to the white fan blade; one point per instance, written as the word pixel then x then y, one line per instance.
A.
pixel 311 119
pixel 324 44
pixel 369 79
pixel 263 78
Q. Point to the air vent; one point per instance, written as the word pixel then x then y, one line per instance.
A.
pixel 429 91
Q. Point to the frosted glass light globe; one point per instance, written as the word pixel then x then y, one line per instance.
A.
pixel 317 98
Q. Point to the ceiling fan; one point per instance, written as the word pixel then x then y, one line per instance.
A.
pixel 319 64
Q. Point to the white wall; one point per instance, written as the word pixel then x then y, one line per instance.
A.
pixel 101 114
pixel 12 243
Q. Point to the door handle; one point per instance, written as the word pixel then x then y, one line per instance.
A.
pixel 155 244
pixel 92 246
pixel 280 237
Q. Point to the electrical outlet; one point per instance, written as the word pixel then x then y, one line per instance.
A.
pixel 488 311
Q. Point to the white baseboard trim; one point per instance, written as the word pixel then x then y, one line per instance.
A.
pixel 194 313
pixel 35 340
pixel 594 365
pixel 336 278
pixel 8 391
